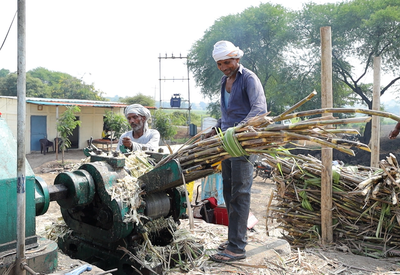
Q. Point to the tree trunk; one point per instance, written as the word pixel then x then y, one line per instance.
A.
pixel 367 133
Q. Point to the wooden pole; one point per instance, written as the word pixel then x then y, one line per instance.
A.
pixel 326 153
pixel 376 127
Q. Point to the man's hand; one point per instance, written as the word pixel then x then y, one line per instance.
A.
pixel 213 132
pixel 127 142
pixel 393 134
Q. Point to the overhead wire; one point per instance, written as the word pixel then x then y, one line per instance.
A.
pixel 5 38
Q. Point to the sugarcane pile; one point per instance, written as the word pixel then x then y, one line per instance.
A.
pixel 262 134
pixel 365 206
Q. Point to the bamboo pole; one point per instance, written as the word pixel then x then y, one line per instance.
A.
pixel 376 128
pixel 326 152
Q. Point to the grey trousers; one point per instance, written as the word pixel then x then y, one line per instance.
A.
pixel 237 178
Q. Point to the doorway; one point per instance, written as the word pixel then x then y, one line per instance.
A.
pixel 38 131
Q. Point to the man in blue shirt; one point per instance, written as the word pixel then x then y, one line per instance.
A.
pixel 242 97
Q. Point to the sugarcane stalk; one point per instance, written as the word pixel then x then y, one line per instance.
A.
pixel 342 110
pixel 294 107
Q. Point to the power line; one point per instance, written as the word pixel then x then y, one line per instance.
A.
pixel 5 38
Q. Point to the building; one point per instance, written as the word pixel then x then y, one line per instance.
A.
pixel 41 119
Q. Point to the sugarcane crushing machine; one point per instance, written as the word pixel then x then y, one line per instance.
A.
pixel 98 230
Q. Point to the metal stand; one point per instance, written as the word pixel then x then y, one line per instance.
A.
pixel 173 79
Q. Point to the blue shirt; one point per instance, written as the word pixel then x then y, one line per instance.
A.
pixel 246 100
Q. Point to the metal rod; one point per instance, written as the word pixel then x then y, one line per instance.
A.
pixel 30 270
pixel 159 71
pixel 187 65
pixel 21 115
pixel 57 139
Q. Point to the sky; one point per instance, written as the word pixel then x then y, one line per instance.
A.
pixel 116 45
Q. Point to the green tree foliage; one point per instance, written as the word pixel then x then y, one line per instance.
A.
pixel 8 85
pixel 264 33
pixel 34 87
pixel 66 124
pixel 4 72
pixel 214 109
pixel 283 49
pixel 361 30
pixel 162 122
pixel 42 83
pixel 116 123
pixel 139 99
pixel 181 118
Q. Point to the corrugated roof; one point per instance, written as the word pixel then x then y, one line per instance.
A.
pixel 77 102
pixel 71 102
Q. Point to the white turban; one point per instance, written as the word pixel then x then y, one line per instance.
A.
pixel 226 50
pixel 139 110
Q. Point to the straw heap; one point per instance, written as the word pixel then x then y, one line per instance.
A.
pixel 366 213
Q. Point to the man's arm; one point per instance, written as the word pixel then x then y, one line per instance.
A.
pixel 126 134
pixel 213 130
pixel 393 134
pixel 255 93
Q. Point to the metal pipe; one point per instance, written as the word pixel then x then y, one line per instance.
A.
pixel 30 270
pixel 189 107
pixel 21 115
pixel 57 139
pixel 159 78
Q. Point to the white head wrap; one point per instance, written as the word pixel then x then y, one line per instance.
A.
pixel 139 110
pixel 226 50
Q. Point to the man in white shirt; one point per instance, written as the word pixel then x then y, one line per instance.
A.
pixel 141 136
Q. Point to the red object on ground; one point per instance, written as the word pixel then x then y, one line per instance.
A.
pixel 213 202
pixel 221 215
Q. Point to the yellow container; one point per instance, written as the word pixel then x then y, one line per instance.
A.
pixel 189 187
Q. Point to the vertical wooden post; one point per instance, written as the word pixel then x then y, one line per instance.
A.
pixel 326 153
pixel 376 126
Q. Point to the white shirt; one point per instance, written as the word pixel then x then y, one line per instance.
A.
pixel 149 139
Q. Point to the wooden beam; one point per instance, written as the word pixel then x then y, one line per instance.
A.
pixel 326 153
pixel 376 126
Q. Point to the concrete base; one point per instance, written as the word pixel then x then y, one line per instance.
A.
pixel 42 259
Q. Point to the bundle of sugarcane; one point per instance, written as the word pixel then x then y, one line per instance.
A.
pixel 261 134
pixel 366 213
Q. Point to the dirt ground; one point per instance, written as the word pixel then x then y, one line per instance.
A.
pixel 333 260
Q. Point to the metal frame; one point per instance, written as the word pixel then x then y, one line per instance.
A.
pixel 173 79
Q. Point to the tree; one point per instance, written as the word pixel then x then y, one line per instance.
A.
pixel 116 123
pixel 264 33
pixel 66 86
pixel 65 125
pixel 34 87
pixel 42 83
pixel 361 30
pixel 4 72
pixel 214 109
pixel 139 99
pixel 162 123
